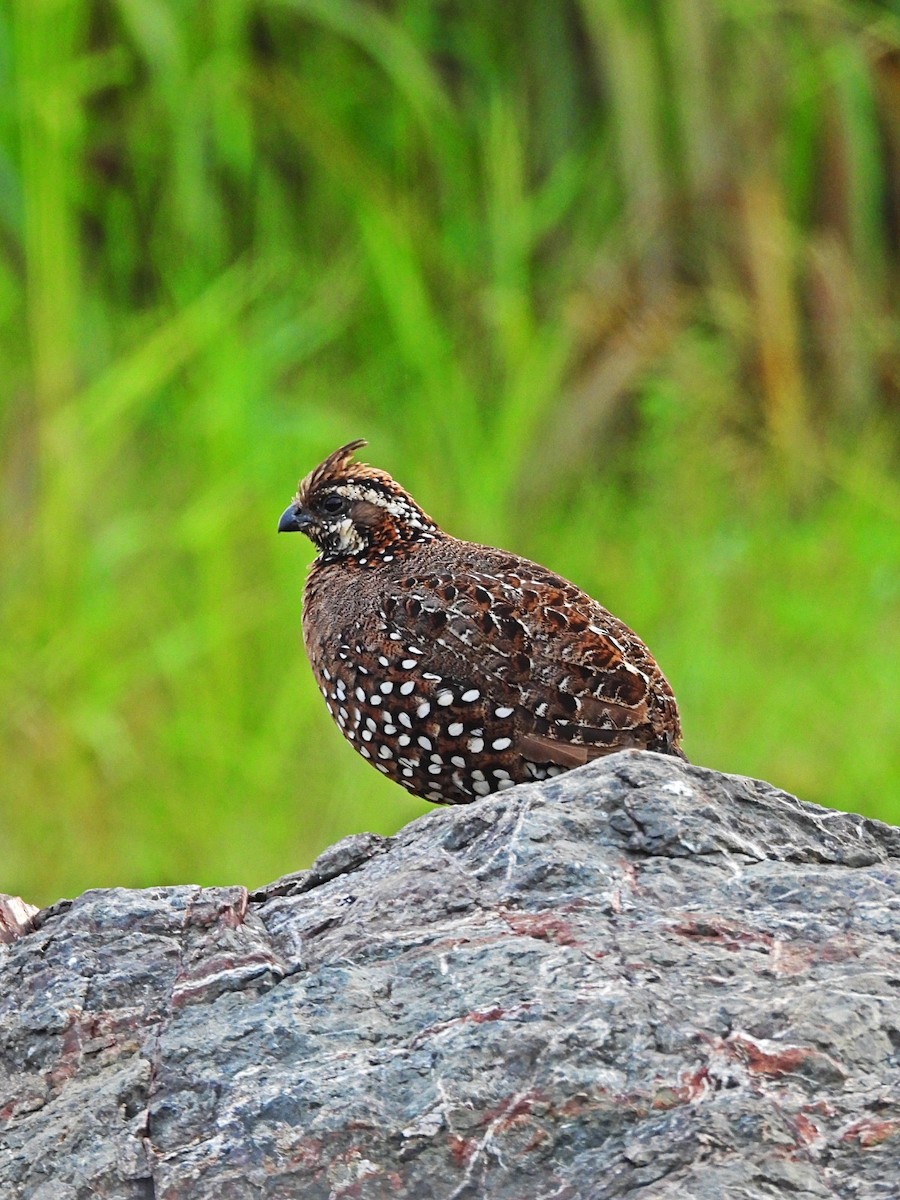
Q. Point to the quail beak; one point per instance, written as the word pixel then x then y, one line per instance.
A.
pixel 294 520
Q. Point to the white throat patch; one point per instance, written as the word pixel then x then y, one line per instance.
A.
pixel 348 538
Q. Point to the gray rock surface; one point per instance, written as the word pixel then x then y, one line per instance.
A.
pixel 641 979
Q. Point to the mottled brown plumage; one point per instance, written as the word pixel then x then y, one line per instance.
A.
pixel 457 669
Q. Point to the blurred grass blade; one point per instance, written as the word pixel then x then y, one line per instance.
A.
pixel 131 381
pixel 388 44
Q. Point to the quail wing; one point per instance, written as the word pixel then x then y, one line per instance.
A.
pixel 579 682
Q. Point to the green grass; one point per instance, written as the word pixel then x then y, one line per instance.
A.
pixel 614 284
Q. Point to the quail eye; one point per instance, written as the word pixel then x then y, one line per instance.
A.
pixel 333 504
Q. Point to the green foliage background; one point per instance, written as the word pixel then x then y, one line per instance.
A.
pixel 611 282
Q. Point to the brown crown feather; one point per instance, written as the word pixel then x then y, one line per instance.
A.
pixel 339 467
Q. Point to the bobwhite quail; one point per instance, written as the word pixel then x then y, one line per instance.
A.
pixel 457 669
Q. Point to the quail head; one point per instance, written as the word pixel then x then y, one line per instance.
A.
pixel 456 669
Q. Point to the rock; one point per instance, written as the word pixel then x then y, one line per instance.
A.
pixel 16 918
pixel 639 979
